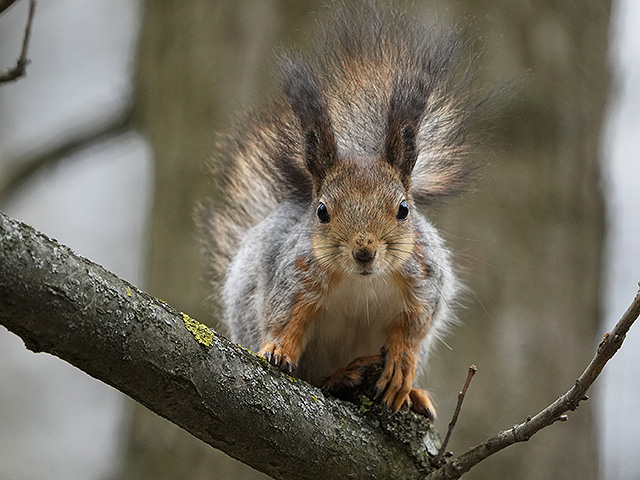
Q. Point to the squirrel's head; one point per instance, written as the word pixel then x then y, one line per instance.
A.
pixel 362 206
pixel 363 218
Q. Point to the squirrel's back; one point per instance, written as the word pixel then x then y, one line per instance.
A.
pixel 360 61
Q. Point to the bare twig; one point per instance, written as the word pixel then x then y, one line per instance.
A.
pixel 472 371
pixel 610 344
pixel 21 66
pixel 4 4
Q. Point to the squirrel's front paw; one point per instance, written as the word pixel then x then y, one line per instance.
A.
pixel 395 383
pixel 276 355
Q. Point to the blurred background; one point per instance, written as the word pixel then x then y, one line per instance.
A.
pixel 103 147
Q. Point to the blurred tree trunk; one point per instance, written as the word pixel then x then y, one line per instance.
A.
pixel 198 63
pixel 530 240
pixel 536 222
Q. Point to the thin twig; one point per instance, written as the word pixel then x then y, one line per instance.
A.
pixel 5 4
pixel 610 344
pixel 21 66
pixel 454 419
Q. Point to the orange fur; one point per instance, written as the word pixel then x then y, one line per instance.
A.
pixel 402 350
pixel 289 337
pixel 421 403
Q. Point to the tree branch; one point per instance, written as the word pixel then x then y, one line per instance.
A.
pixel 21 65
pixel 4 4
pixel 454 419
pixel 22 169
pixel 60 303
pixel 610 344
pixel 219 392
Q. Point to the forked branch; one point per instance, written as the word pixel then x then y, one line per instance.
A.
pixel 611 343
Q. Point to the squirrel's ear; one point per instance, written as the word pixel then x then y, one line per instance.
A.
pixel 305 95
pixel 406 106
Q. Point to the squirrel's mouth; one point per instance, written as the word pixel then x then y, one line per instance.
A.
pixel 364 258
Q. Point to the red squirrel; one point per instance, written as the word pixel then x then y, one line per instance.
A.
pixel 330 265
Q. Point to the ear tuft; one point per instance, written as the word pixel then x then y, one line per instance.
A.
pixel 406 106
pixel 306 97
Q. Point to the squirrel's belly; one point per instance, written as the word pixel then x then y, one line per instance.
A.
pixel 352 323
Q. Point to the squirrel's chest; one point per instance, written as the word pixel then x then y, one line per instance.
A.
pixel 351 323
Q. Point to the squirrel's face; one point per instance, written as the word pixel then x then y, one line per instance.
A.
pixel 363 219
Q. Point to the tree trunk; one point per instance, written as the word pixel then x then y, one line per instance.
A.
pixel 530 240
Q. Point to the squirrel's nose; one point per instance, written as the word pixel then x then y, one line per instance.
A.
pixel 364 255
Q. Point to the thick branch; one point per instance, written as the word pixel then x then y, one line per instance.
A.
pixel 68 306
pixel 610 344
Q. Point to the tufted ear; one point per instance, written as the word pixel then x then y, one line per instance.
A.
pixel 305 95
pixel 406 105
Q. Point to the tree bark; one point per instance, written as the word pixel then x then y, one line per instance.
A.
pixel 63 304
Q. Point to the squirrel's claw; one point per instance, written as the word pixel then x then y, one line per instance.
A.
pixel 274 354
pixel 358 378
pixel 395 383
pixel 363 376
pixel 287 366
pixel 421 403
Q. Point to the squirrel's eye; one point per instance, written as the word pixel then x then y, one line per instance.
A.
pixel 323 213
pixel 403 211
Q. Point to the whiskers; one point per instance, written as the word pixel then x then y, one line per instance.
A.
pixel 330 259
pixel 398 246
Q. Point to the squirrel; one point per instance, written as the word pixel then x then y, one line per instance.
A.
pixel 330 265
